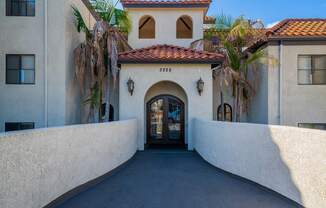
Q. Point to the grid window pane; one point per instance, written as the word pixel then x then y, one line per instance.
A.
pixel 304 77
pixel 20 7
pixel 304 62
pixel 13 77
pixel 27 76
pixel 15 8
pixel 319 76
pixel 20 69
pixel 31 8
pixel 312 69
pixel 320 62
pixel 13 62
pixel 28 62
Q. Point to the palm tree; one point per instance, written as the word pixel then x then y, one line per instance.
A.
pixel 232 37
pixel 96 59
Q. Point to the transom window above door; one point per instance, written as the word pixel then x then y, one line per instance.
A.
pixel 312 69
pixel 146 27
pixel 20 8
pixel 20 69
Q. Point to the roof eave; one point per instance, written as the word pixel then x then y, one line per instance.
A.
pixel 169 62
pixel 282 38
pixel 302 38
pixel 166 5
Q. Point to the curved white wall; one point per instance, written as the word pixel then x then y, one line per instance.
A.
pixel 289 160
pixel 38 166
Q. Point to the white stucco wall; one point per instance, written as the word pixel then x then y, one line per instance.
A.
pixel 258 75
pixel 37 166
pixel 27 35
pixel 22 35
pixel 294 103
pixel 301 103
pixel 291 161
pixel 146 75
pixel 165 27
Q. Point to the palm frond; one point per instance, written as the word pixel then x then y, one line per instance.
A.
pixel 94 99
pixel 80 24
pixel 224 22
pixel 255 56
pixel 233 58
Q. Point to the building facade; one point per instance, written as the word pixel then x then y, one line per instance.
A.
pixel 162 82
pixel 37 83
pixel 292 90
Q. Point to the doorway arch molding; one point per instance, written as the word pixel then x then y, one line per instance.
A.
pixel 163 89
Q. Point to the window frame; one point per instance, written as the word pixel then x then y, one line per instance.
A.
pixel 9 10
pixel 312 56
pixel 20 125
pixel 143 24
pixel 219 108
pixel 192 27
pixel 323 124
pixel 20 69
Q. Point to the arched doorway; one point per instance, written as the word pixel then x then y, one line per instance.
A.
pixel 165 120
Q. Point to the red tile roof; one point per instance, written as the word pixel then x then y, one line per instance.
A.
pixel 168 54
pixel 292 29
pixel 130 3
pixel 298 28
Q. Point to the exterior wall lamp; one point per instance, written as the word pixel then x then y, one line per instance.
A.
pixel 131 86
pixel 200 86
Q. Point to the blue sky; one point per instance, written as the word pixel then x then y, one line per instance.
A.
pixel 270 11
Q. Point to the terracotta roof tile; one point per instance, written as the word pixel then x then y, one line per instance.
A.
pixel 305 29
pixel 298 28
pixel 168 54
pixel 127 3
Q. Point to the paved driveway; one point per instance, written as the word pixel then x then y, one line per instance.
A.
pixel 174 179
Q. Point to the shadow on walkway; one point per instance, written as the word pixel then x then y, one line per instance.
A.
pixel 174 179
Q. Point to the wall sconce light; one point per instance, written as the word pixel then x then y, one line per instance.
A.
pixel 200 86
pixel 131 86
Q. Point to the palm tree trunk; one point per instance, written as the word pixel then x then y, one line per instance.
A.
pixel 238 104
pixel 100 102
pixel 222 106
pixel 107 97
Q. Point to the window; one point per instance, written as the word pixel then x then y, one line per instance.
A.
pixel 20 69
pixel 20 7
pixel 319 126
pixel 103 110
pixel 146 28
pixel 17 126
pixel 312 69
pixel 227 112
pixel 184 27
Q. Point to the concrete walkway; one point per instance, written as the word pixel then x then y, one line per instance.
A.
pixel 174 179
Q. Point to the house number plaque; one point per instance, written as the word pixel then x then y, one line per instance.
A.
pixel 165 69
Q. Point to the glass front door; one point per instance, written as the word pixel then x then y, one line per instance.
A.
pixel 165 120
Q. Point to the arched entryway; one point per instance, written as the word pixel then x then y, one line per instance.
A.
pixel 165 120
pixel 165 114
